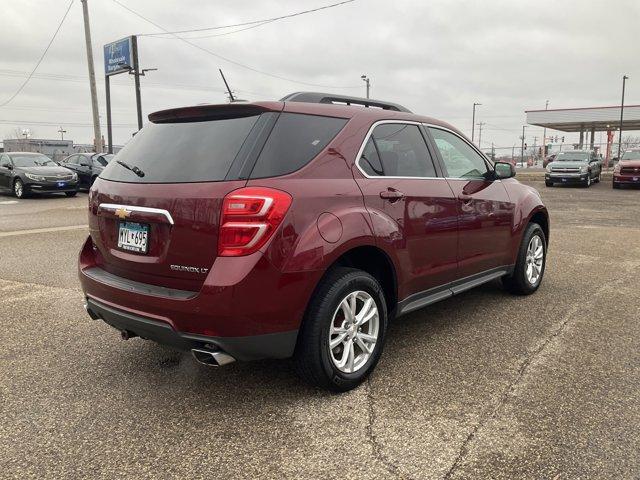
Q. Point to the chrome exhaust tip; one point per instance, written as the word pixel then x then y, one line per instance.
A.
pixel 212 358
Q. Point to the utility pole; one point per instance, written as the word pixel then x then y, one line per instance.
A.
pixel 473 120
pixel 366 80
pixel 544 135
pixel 62 132
pixel 624 81
pixel 522 147
pixel 97 140
pixel 480 124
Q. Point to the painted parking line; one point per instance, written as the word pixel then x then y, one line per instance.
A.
pixel 8 202
pixel 43 230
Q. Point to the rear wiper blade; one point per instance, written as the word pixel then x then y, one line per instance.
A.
pixel 134 169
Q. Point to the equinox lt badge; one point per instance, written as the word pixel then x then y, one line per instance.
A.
pixel 187 268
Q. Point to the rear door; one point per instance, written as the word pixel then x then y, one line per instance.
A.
pixel 412 206
pixel 485 212
pixel 156 209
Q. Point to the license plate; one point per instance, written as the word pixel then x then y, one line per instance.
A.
pixel 133 237
pixel 61 184
pixel 564 179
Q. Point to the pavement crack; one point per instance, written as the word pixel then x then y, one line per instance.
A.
pixel 373 439
pixel 523 368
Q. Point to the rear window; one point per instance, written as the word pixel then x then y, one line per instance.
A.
pixel 181 152
pixel 294 141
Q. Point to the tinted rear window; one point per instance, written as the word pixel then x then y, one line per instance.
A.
pixel 294 141
pixel 181 152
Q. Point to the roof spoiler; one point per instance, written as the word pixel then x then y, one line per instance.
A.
pixel 317 97
pixel 202 113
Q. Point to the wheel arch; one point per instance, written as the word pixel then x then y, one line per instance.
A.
pixel 377 263
pixel 541 217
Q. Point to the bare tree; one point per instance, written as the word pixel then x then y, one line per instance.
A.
pixel 630 141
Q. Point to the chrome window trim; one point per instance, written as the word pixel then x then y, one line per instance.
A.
pixel 368 136
pixel 133 208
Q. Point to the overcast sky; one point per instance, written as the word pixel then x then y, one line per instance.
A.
pixel 436 57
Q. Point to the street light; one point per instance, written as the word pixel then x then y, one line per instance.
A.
pixel 473 120
pixel 366 80
pixel 624 81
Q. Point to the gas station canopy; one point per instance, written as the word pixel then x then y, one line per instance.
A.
pixel 586 119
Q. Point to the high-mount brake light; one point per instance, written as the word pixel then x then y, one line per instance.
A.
pixel 249 217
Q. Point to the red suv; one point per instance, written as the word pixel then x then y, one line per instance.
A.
pixel 299 228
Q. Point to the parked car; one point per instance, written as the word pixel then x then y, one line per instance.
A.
pixel 299 228
pixel 627 170
pixel 574 166
pixel 22 173
pixel 87 166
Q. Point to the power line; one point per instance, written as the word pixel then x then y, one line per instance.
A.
pixel 41 57
pixel 213 35
pixel 83 79
pixel 263 21
pixel 214 54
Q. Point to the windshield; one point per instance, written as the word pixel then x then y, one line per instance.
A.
pixel 631 155
pixel 572 157
pixel 31 160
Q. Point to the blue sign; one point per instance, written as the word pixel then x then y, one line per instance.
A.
pixel 118 56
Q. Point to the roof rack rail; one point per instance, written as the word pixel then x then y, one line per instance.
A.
pixel 317 97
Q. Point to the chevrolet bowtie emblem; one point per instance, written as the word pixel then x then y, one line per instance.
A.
pixel 122 213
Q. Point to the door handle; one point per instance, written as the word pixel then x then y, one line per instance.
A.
pixel 392 194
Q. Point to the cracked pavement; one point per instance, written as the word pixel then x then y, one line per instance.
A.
pixel 483 385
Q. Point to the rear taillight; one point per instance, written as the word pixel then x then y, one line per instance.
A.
pixel 249 217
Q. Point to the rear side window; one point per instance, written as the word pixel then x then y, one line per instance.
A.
pixel 294 141
pixel 397 150
pixel 182 152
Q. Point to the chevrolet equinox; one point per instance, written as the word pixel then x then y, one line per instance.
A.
pixel 300 228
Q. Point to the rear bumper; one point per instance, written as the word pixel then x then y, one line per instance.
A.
pixel 274 345
pixel 246 306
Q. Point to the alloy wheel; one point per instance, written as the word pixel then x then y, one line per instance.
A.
pixel 353 333
pixel 18 189
pixel 534 260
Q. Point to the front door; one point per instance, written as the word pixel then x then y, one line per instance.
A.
pixel 412 207
pixel 5 173
pixel 485 213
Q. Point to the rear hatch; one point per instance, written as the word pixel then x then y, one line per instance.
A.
pixel 156 207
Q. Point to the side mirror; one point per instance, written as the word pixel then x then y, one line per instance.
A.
pixel 504 170
pixel 8 166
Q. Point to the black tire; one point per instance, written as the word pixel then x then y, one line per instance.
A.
pixel 18 188
pixel 587 182
pixel 548 184
pixel 616 185
pixel 70 194
pixel 312 355
pixel 517 283
pixel 598 178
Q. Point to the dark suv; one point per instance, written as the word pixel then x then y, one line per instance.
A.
pixel 299 228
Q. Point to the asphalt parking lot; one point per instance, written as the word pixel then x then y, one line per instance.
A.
pixel 483 385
